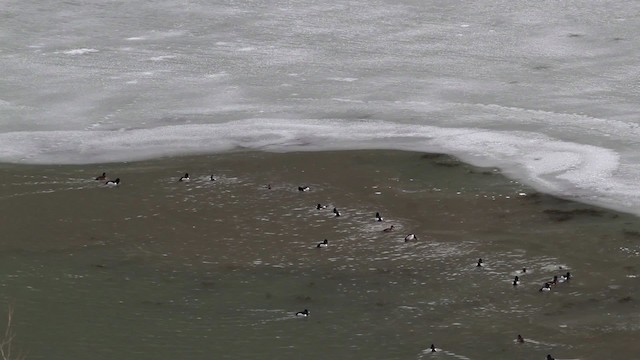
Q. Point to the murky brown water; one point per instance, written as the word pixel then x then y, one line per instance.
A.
pixel 159 269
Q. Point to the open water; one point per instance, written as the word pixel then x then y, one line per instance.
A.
pixel 161 269
pixel 545 90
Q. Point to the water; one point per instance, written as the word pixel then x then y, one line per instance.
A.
pixel 160 269
pixel 544 90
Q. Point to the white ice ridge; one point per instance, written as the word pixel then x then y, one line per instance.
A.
pixel 564 168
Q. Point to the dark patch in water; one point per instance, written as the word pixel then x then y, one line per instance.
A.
pixel 631 233
pixel 303 298
pixel 149 302
pixel 207 284
pixel 551 200
pixel 268 295
pixel 574 35
pixel 568 305
pixel 625 299
pixel 564 215
pixel 442 159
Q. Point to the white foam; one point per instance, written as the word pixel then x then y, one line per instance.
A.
pixel 162 57
pixel 347 79
pixel 81 51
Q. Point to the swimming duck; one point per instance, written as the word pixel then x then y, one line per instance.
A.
pixel 516 281
pixel 185 177
pixel 566 277
pixel 320 207
pixel 115 182
pixel 546 287
pixel 433 348
pixel 554 281
pixel 323 244
pixel 335 211
pixel 410 237
pixel 211 178
pixel 303 188
pixel 378 217
pixel 102 177
pixel 480 263
pixel 389 229
pixel 549 357
pixel 303 313
pixel 520 339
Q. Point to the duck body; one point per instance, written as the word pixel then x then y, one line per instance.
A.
pixel 303 313
pixel 545 287
pixel 410 237
pixel 115 182
pixel 185 178
pixel 323 244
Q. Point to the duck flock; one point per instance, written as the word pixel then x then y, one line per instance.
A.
pixel 546 286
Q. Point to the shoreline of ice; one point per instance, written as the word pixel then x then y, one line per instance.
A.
pixel 580 172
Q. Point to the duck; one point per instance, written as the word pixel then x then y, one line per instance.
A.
pixel 389 229
pixel 480 263
pixel 102 177
pixel 335 211
pixel 303 188
pixel 211 178
pixel 185 177
pixel 320 207
pixel 549 357
pixel 516 281
pixel 554 281
pixel 433 348
pixel 520 339
pixel 323 244
pixel 303 313
pixel 566 277
pixel 410 237
pixel 378 217
pixel 546 287
pixel 115 182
